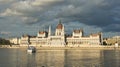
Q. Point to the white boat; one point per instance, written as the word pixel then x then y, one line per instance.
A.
pixel 31 49
pixel 116 44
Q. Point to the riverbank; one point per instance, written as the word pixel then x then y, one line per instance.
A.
pixel 80 47
pixel 70 47
pixel 9 46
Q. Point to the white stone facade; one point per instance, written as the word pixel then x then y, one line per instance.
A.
pixel 45 39
pixel 15 40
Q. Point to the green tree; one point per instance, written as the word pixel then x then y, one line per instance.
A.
pixel 4 42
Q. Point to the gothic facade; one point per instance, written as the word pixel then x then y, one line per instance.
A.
pixel 60 39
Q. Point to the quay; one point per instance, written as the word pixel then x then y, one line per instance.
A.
pixel 8 46
pixel 66 47
pixel 80 47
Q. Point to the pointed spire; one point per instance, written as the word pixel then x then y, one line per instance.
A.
pixel 63 33
pixel 59 21
pixel 49 30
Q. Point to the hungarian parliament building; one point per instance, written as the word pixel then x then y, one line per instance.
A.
pixel 60 39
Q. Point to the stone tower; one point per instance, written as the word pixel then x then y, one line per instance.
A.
pixel 59 29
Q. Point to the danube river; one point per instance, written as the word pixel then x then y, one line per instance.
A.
pixel 18 57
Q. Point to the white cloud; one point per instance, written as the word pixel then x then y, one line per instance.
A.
pixel 29 20
pixel 43 2
pixel 29 7
pixel 4 33
pixel 9 12
pixel 6 0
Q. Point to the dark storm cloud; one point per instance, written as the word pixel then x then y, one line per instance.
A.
pixel 100 13
pixel 104 14
pixel 2 18
pixel 113 28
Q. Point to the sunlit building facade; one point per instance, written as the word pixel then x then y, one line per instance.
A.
pixel 60 39
pixel 113 40
pixel 15 40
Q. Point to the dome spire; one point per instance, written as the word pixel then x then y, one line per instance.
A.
pixel 59 21
pixel 59 26
pixel 49 30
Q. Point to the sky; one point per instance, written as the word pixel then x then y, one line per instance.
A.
pixel 18 17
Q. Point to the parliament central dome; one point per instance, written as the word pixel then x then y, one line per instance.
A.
pixel 59 26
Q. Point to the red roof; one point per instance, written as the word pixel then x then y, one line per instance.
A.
pixel 25 35
pixel 59 26
pixel 94 35
pixel 41 32
pixel 78 31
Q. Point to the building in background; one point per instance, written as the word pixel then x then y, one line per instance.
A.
pixel 78 39
pixel 45 39
pixel 113 40
pixel 15 41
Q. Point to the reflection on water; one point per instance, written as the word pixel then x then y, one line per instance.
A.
pixel 111 58
pixel 60 58
pixel 82 58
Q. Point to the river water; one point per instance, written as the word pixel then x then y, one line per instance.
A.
pixel 59 58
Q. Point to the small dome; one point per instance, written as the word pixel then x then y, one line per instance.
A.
pixel 42 32
pixel 78 31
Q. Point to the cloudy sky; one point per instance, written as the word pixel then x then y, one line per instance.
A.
pixel 19 17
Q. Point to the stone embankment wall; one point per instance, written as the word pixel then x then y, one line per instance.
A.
pixel 9 46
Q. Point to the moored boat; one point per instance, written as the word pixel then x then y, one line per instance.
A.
pixel 31 49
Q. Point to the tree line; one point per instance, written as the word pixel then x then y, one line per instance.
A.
pixel 4 42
